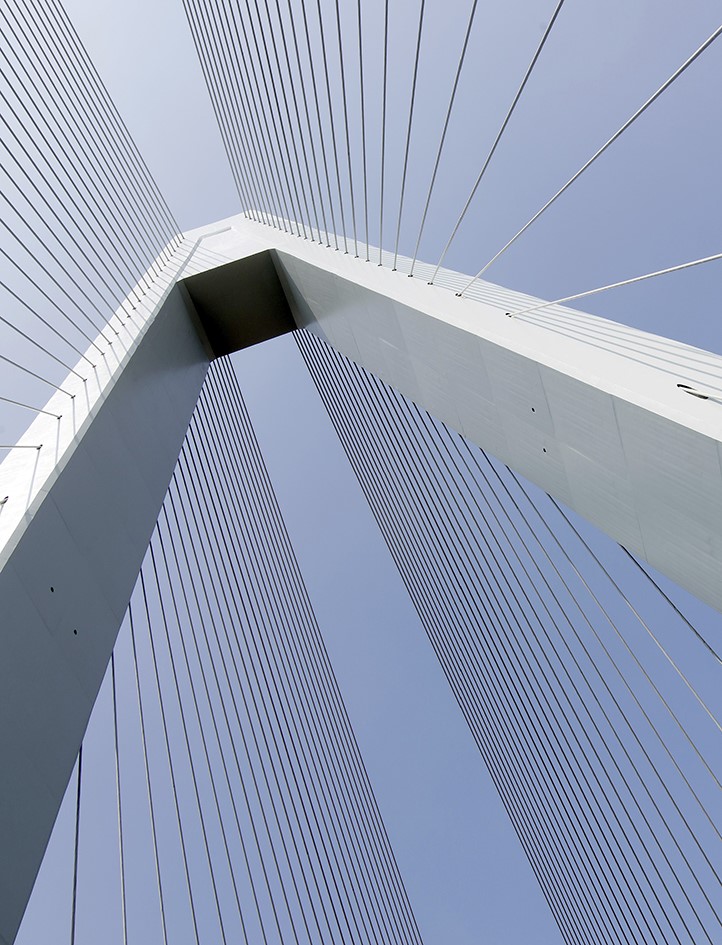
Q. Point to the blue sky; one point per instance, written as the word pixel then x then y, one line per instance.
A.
pixel 652 201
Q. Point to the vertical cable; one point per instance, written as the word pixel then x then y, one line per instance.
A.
pixel 335 869
pixel 501 131
pixel 363 123
pixel 383 129
pixel 148 784
pixel 171 765
pixel 186 739
pixel 311 135
pixel 303 600
pixel 121 851
pixel 332 126
pixel 345 122
pixel 640 904
pixel 76 847
pixel 194 568
pixel 278 595
pixel 321 134
pixel 444 130
pixel 408 129
pixel 297 113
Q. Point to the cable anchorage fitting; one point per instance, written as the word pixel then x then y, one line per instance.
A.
pixel 693 392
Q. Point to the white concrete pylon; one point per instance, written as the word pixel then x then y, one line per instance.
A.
pixel 601 416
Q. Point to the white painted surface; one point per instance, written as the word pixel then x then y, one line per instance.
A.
pixel 69 567
pixel 587 409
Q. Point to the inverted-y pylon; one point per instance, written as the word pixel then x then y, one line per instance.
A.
pixel 618 424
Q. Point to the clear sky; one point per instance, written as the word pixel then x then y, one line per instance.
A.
pixel 653 201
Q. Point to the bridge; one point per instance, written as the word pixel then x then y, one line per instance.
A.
pixel 479 421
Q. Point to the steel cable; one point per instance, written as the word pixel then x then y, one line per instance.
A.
pixel 630 121
pixel 307 344
pixel 498 138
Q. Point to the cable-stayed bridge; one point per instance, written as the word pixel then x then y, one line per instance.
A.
pixel 261 822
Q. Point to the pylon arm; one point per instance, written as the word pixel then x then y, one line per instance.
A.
pixel 622 426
